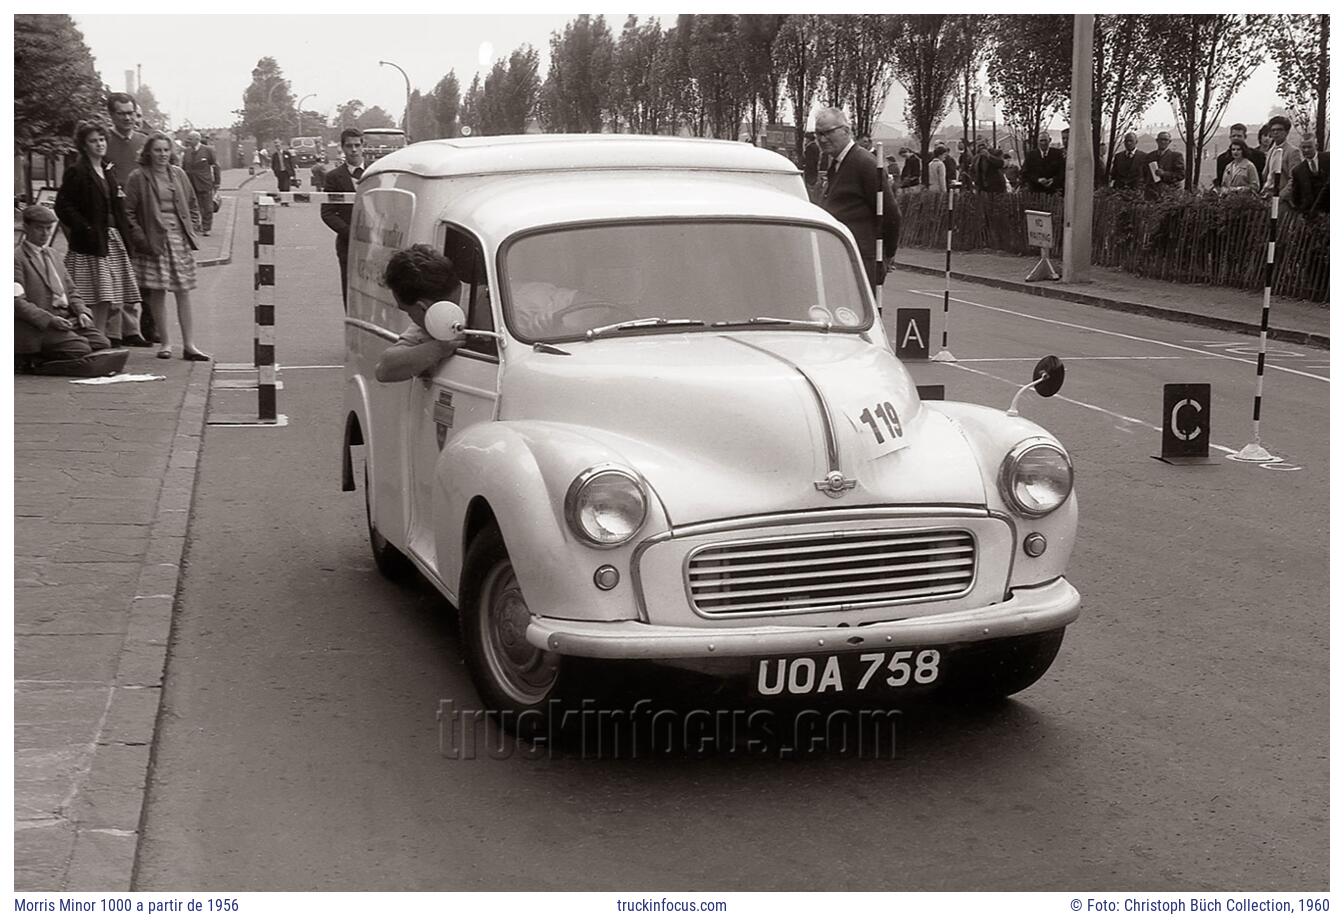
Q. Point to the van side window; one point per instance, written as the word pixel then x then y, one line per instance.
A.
pixel 469 262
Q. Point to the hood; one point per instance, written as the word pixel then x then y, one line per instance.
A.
pixel 746 423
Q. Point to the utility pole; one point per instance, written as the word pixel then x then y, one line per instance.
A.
pixel 1079 165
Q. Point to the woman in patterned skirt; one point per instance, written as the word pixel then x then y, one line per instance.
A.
pixel 91 206
pixel 164 218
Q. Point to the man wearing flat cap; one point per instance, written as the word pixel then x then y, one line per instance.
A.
pixel 51 322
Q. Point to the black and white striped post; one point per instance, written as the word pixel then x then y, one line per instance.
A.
pixel 263 336
pixel 877 230
pixel 944 355
pixel 1254 452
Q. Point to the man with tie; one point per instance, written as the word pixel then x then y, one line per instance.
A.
pixel 198 161
pixel 1310 190
pixel 1128 164
pixel 1282 159
pixel 852 185
pixel 343 179
pixel 51 322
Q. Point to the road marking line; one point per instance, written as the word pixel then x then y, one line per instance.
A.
pixel 1076 402
pixel 1134 338
pixel 310 367
pixel 1099 358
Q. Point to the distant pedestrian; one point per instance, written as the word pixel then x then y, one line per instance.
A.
pixel 1127 166
pixel 1240 174
pixel 852 187
pixel 988 167
pixel 912 171
pixel 198 162
pixel 51 320
pixel 164 217
pixel 282 164
pixel 1165 167
pixel 1282 158
pixel 90 204
pixel 938 170
pixel 1012 173
pixel 1310 192
pixel 1043 169
pixel 343 179
pixel 124 143
pixel 1237 133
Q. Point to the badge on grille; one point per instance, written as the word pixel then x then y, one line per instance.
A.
pixel 835 484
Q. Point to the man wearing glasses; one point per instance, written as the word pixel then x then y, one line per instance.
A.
pixel 852 186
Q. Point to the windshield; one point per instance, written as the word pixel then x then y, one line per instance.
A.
pixel 560 284
pixel 379 139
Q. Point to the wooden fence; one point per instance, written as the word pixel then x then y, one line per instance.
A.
pixel 1199 238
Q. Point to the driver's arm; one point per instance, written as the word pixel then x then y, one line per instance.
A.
pixel 405 360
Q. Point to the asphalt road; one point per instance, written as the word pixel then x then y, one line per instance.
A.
pixel 1179 742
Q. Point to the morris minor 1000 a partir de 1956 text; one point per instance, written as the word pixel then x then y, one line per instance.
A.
pixel 677 433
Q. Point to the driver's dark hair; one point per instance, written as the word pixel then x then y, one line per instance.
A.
pixel 420 273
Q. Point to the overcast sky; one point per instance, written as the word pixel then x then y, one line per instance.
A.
pixel 199 65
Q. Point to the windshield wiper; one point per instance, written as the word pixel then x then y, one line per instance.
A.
pixel 639 324
pixel 776 321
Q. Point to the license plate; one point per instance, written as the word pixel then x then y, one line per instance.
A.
pixel 848 672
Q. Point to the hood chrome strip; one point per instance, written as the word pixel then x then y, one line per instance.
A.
pixel 828 428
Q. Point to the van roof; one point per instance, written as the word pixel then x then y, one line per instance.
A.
pixel 466 156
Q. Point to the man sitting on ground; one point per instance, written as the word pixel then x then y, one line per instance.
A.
pixel 418 277
pixel 54 330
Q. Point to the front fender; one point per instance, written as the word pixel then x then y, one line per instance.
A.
pixel 522 470
pixel 991 433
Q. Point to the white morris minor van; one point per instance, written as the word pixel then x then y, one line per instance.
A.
pixel 677 433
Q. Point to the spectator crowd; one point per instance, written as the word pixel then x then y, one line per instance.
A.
pixel 132 210
pixel 1299 175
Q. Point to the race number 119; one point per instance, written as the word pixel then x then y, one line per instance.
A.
pixel 886 413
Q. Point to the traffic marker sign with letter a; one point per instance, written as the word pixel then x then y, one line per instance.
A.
pixel 912 334
pixel 1185 422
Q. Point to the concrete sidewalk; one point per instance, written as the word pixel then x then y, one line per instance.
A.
pixel 1217 307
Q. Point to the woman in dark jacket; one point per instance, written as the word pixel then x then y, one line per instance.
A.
pixel 165 218
pixel 90 205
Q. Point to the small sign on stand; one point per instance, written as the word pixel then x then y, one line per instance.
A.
pixel 1186 410
pixel 912 334
pixel 1041 232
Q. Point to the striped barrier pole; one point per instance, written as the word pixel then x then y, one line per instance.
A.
pixel 1254 452
pixel 264 368
pixel 881 198
pixel 945 355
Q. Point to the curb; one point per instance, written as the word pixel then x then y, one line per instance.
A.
pixel 226 236
pixel 1293 336
pixel 108 812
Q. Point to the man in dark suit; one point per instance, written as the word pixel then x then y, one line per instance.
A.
pixel 1237 133
pixel 1043 168
pixel 1127 165
pixel 1310 191
pixel 53 327
pixel 912 171
pixel 343 179
pixel 198 161
pixel 852 185
pixel 282 164
pixel 1165 170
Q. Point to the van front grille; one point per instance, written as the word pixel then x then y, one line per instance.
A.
pixel 834 571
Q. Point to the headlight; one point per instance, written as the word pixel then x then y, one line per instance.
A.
pixel 1036 478
pixel 605 505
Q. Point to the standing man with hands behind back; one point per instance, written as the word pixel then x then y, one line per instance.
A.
pixel 198 162
pixel 852 186
pixel 343 179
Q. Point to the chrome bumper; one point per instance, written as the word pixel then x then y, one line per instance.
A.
pixel 1031 610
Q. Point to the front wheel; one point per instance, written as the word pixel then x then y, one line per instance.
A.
pixel 509 673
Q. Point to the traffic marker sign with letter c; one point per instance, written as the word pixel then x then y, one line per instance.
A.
pixel 1185 420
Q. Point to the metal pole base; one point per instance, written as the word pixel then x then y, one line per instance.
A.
pixel 1043 271
pixel 944 357
pixel 1254 453
pixel 248 421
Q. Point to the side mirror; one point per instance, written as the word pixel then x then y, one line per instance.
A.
pixel 1047 378
pixel 1048 375
pixel 445 320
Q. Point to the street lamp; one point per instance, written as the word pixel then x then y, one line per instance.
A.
pixel 300 108
pixel 408 97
